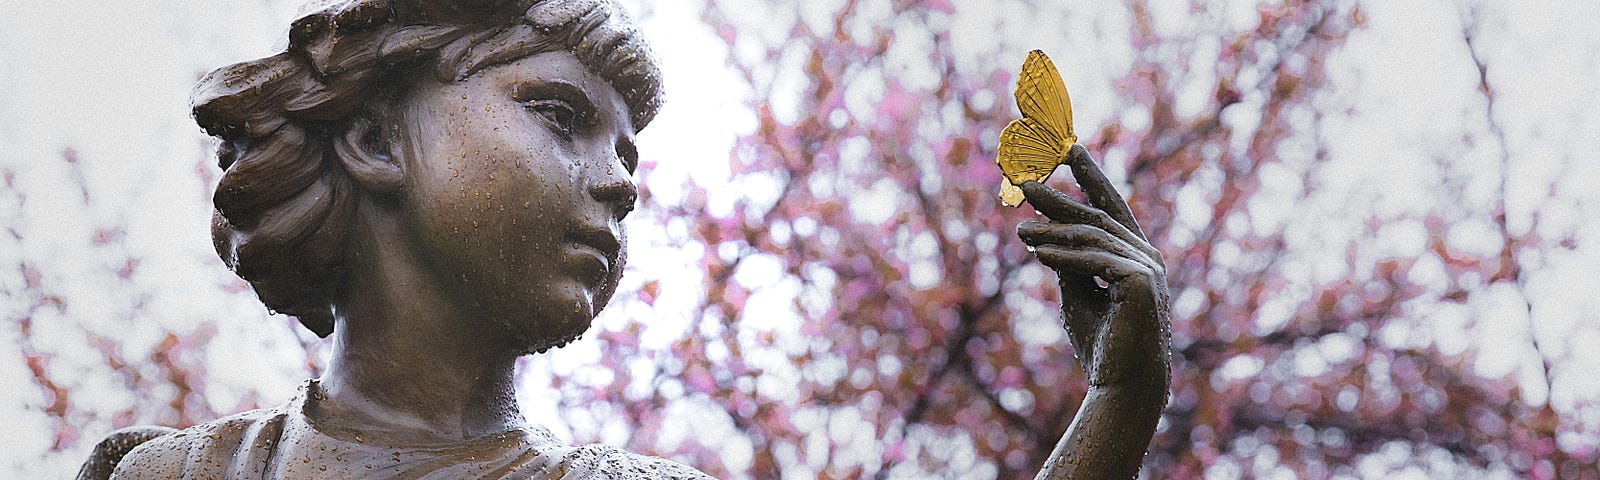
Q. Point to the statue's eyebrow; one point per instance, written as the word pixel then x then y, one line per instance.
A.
pixel 555 88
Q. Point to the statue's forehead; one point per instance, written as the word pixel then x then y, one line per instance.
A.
pixel 561 61
pixel 551 65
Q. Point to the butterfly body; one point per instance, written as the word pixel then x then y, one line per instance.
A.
pixel 1032 146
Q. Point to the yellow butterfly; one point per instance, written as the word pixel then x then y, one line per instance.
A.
pixel 1032 146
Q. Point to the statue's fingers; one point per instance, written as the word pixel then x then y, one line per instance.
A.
pixel 1091 261
pixel 1080 235
pixel 1061 208
pixel 1102 194
pixel 1130 281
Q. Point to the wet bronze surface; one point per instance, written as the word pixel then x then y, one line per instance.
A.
pixel 440 186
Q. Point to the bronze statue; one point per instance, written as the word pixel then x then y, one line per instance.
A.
pixel 440 186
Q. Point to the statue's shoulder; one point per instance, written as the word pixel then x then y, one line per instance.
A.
pixel 596 461
pixel 116 446
pixel 160 452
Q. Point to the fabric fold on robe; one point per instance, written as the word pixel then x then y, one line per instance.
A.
pixel 282 442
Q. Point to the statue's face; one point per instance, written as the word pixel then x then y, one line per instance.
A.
pixel 517 179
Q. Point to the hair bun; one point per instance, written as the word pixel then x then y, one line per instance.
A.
pixel 456 11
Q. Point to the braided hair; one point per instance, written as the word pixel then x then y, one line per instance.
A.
pixel 284 205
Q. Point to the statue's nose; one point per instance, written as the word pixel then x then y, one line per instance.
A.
pixel 617 192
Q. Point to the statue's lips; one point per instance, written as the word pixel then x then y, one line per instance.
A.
pixel 599 244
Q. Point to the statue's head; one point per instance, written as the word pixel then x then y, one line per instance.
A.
pixel 502 129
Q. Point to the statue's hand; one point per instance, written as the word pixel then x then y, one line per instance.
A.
pixel 1120 331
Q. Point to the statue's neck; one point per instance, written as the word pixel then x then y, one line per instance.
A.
pixel 409 362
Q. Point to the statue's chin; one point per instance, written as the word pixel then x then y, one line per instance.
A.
pixel 556 326
pixel 556 336
pixel 547 345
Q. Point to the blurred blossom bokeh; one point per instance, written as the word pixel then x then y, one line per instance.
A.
pixel 1371 213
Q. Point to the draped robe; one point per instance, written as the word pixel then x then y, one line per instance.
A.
pixel 283 442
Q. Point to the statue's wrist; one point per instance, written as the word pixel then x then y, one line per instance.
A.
pixel 1141 396
pixel 1148 377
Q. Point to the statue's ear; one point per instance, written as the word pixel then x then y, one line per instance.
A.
pixel 368 155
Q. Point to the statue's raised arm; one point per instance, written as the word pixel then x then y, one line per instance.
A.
pixel 1113 283
pixel 1120 331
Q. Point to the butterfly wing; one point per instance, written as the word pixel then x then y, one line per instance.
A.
pixel 1026 152
pixel 1031 147
pixel 1042 96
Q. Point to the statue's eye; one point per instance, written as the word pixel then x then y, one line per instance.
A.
pixel 629 155
pixel 560 115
